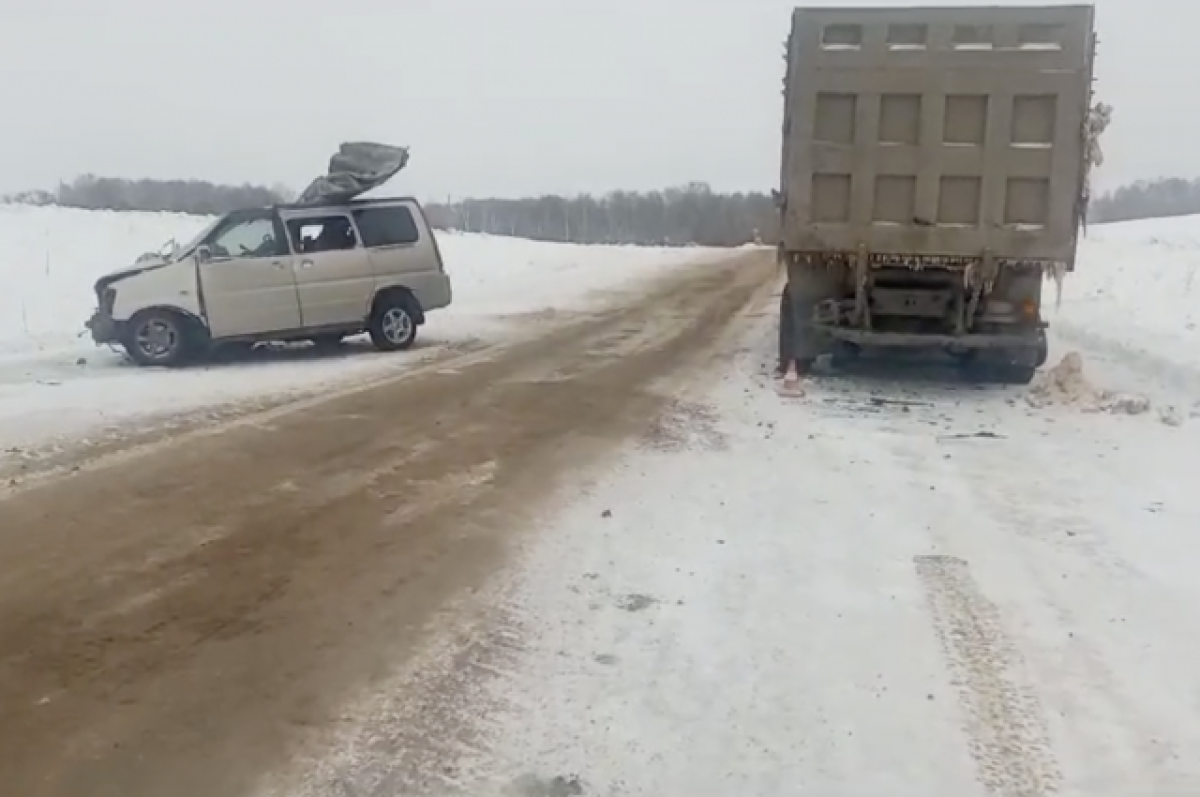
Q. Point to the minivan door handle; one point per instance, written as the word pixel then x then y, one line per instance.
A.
pixel 279 264
pixel 306 264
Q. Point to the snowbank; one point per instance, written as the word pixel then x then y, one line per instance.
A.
pixel 49 258
pixel 1134 293
pixel 54 381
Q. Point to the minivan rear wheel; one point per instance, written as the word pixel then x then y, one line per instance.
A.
pixel 393 325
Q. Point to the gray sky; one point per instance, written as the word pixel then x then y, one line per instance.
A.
pixel 495 97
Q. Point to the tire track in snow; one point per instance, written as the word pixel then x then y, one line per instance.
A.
pixel 1027 524
pixel 1007 734
pixel 1090 560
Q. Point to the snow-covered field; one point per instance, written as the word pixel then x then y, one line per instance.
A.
pixel 54 382
pixel 1135 299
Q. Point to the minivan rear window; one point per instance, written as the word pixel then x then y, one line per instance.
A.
pixel 387 226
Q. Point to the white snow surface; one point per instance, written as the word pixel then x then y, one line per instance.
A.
pixel 1135 297
pixel 887 587
pixel 55 384
pixel 838 597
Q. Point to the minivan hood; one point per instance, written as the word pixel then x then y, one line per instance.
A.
pixel 147 262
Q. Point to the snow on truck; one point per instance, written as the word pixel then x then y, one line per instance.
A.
pixel 934 170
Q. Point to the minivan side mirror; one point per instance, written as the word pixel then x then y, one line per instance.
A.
pixel 203 254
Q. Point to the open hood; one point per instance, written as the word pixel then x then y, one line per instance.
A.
pixel 355 169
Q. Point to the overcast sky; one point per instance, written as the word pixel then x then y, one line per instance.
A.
pixel 495 97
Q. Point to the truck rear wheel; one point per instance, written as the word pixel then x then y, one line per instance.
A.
pixel 799 340
pixel 787 333
pixel 1015 374
pixel 998 373
pixel 844 355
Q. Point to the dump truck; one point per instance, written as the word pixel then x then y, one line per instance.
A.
pixel 934 170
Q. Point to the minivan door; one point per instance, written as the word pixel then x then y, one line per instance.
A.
pixel 391 236
pixel 333 274
pixel 246 278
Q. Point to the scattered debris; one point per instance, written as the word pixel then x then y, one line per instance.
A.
pixel 685 426
pixel 967 435
pixel 880 401
pixel 1066 384
pixel 635 602
pixel 1172 416
pixel 534 786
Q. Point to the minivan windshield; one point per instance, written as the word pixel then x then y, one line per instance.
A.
pixel 189 247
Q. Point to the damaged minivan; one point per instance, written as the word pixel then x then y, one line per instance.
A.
pixel 326 267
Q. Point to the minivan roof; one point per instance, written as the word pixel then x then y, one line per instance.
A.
pixel 351 203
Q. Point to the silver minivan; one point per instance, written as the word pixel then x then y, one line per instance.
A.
pixel 318 272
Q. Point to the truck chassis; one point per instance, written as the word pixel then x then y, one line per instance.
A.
pixel 983 314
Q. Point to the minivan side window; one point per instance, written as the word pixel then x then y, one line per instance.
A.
pixel 322 234
pixel 250 238
pixel 387 226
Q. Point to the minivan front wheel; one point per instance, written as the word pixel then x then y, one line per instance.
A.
pixel 157 338
pixel 393 324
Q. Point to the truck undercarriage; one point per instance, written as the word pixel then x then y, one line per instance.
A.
pixel 983 314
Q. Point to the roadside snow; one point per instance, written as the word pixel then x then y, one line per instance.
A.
pixel 1135 297
pixel 54 383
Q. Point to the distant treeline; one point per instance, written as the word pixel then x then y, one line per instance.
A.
pixel 172 196
pixel 1147 199
pixel 691 214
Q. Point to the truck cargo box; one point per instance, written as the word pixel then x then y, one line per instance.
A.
pixel 936 132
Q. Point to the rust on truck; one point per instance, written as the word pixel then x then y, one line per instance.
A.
pixel 934 167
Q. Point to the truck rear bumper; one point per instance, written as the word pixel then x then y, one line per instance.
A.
pixel 952 343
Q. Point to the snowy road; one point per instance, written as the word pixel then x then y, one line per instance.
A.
pixel 881 589
pixel 599 555
pixel 176 622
